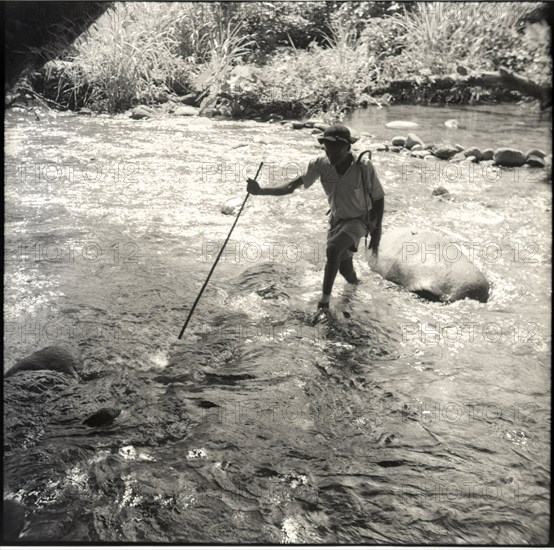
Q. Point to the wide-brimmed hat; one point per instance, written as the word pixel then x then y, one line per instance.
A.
pixel 337 132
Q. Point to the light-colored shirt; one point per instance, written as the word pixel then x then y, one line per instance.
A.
pixel 345 193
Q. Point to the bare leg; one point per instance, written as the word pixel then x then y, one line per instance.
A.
pixel 335 249
pixel 346 269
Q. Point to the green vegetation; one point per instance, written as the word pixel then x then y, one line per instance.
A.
pixel 309 56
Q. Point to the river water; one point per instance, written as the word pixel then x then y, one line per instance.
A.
pixel 399 421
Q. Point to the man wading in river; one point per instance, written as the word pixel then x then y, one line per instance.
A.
pixel 356 201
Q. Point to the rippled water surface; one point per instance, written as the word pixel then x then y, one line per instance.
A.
pixel 399 421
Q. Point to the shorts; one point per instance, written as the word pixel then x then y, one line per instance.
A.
pixel 354 227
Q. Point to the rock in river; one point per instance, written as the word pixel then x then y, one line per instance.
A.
pixel 53 358
pixel 413 139
pixel 473 152
pixel 445 152
pixel 487 154
pixel 398 140
pixel 402 125
pixel 140 112
pixel 102 417
pixel 535 161
pixel 509 157
pixel 231 206
pixel 430 265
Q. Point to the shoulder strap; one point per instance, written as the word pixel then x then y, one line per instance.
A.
pixel 364 172
pixel 367 193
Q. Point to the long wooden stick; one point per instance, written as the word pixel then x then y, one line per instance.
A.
pixel 217 259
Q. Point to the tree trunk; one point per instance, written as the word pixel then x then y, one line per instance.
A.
pixel 506 79
pixel 36 32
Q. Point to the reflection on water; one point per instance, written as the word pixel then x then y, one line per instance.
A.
pixel 399 421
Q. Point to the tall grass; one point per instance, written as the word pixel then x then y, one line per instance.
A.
pixel 331 78
pixel 138 51
pixel 227 46
pixel 437 36
pixel 129 54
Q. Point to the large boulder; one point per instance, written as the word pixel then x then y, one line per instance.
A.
pixel 31 387
pixel 509 157
pixel 430 265
pixel 53 358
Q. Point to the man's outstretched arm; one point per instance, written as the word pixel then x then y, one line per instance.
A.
pixel 254 188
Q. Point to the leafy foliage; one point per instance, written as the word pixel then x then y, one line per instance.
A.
pixel 129 55
pixel 327 56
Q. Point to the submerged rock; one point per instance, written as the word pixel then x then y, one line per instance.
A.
pixel 441 192
pixel 13 519
pixel 430 265
pixel 102 417
pixel 506 156
pixel 53 358
pixel 231 206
